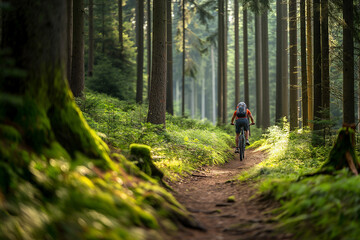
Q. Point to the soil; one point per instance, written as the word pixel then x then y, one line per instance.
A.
pixel 205 194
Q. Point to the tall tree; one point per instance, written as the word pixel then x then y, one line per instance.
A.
pixel 140 49
pixel 317 65
pixel 225 33
pixel 41 52
pixel 148 44
pixel 221 55
pixel 284 59
pixel 279 72
pixel 91 38
pixel 77 83
pixel 246 57
pixel 325 81
pixel 69 40
pixel 309 63
pixel 293 65
pixel 213 85
pixel 169 72
pixel 237 64
pixel 183 60
pixel 348 63
pixel 120 20
pixel 258 67
pixel 304 79
pixel 265 71
pixel 157 100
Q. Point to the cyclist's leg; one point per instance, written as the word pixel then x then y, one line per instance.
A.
pixel 237 139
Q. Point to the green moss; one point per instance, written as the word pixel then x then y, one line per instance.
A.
pixel 141 154
pixel 231 199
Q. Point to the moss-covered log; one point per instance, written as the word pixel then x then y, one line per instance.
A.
pixel 57 180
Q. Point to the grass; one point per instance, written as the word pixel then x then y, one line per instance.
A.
pixel 318 207
pixel 185 144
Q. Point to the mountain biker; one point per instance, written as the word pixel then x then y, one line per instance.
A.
pixel 242 122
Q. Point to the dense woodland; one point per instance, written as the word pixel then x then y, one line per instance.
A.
pixel 102 103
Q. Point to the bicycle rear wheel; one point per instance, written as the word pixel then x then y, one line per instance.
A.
pixel 242 145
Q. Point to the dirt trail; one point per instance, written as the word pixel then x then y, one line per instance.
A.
pixel 205 194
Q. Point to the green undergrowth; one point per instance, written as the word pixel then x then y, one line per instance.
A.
pixel 55 184
pixel 185 144
pixel 312 206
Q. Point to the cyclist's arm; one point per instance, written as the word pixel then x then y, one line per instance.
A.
pixel 232 119
pixel 251 117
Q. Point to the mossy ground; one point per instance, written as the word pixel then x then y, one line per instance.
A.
pixel 317 207
pixel 59 181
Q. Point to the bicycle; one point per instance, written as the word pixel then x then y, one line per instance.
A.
pixel 242 143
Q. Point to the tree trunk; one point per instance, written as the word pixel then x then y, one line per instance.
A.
pixel 183 61
pixel 348 61
pixel 103 26
pixel 140 49
pixel 213 84
pixel 148 45
pixel 237 64
pixel 325 81
pixel 317 66
pixel 309 64
pixel 265 71
pixel 203 104
pixel 69 40
pixel 284 59
pixel 258 70
pixel 246 57
pixel 120 10
pixel 91 39
pixel 293 65
pixel 169 70
pixel 220 60
pixel 225 32
pixel 304 77
pixel 279 46
pixel 77 82
pixel 157 101
pixel 41 53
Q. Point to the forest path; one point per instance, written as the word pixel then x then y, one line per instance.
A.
pixel 205 194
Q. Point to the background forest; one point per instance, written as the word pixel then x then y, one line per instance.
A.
pixel 103 103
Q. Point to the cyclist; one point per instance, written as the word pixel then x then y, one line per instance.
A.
pixel 242 122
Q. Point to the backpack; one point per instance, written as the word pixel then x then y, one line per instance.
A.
pixel 241 110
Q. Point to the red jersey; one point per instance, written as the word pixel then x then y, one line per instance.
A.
pixel 247 114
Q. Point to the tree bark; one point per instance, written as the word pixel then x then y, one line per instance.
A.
pixel 285 61
pixel 140 49
pixel 279 72
pixel 148 46
pixel 77 83
pixel 258 70
pixel 157 101
pixel 169 70
pixel 213 87
pixel 325 81
pixel 237 64
pixel 265 72
pixel 304 77
pixel 183 61
pixel 317 66
pixel 293 66
pixel 220 60
pixel 225 32
pixel 309 63
pixel 246 57
pixel 120 16
pixel 69 40
pixel 348 63
pixel 91 38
